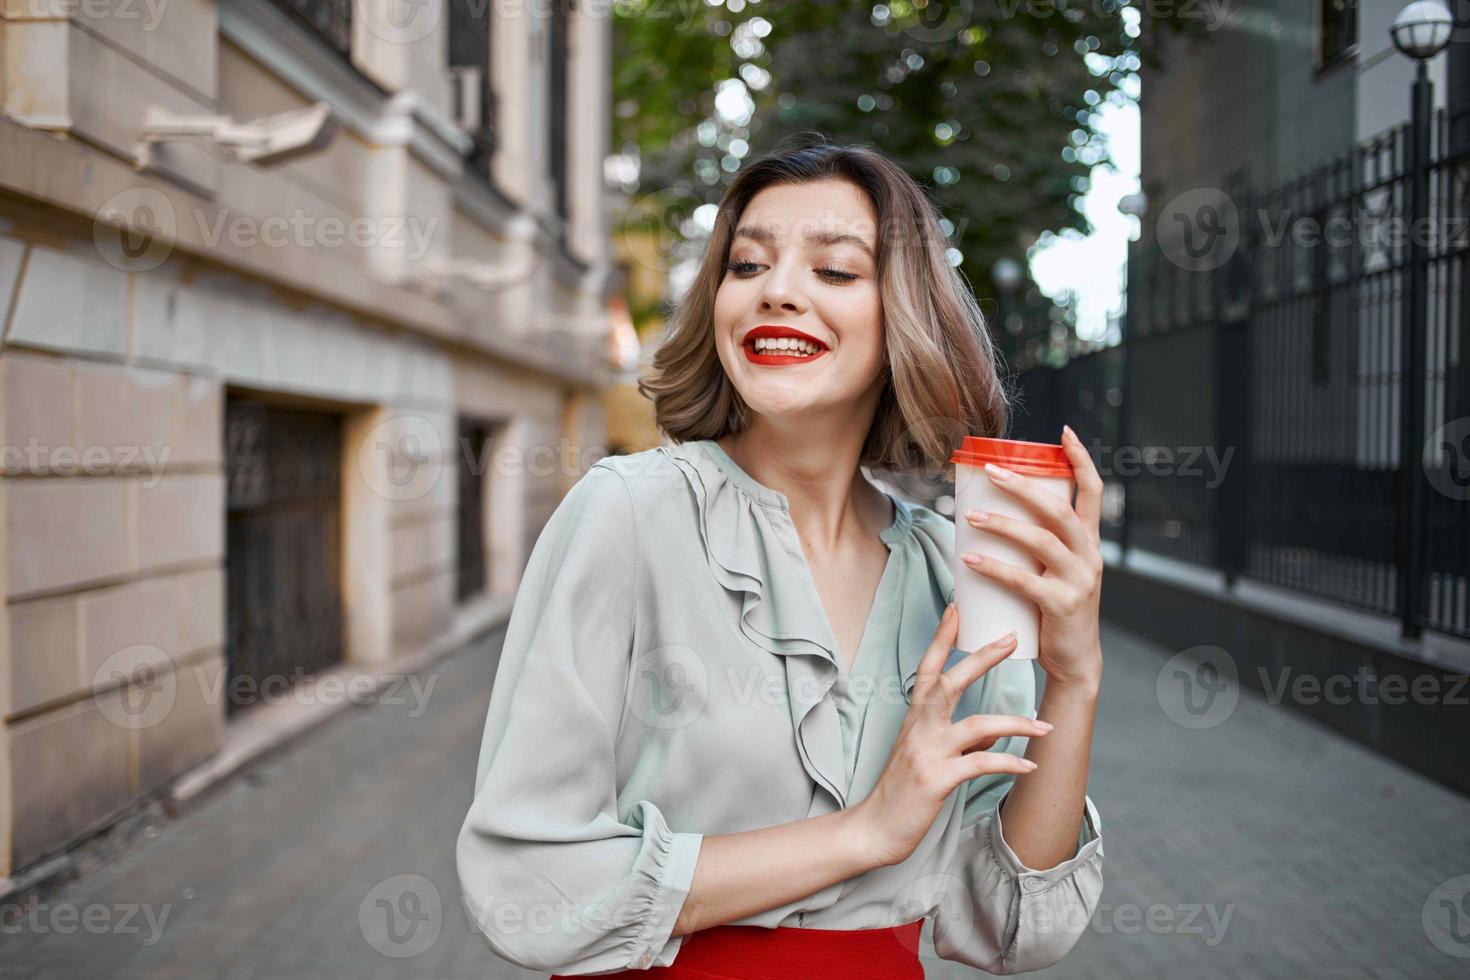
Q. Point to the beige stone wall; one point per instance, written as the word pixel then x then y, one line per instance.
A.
pixel 118 363
pixel 114 502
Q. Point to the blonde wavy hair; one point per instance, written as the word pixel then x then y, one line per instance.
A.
pixel 943 382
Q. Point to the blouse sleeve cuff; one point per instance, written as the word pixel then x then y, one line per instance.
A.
pixel 1089 841
pixel 656 946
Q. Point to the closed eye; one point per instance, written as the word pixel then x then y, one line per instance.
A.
pixel 746 269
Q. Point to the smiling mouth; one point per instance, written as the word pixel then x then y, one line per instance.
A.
pixel 785 346
pixel 782 351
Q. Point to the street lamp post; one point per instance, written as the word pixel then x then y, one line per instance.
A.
pixel 1421 31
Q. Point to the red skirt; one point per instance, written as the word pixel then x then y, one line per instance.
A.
pixel 788 953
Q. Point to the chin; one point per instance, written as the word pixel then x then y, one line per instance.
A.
pixel 778 404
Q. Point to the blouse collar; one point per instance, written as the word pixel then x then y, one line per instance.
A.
pixel 764 495
pixel 753 552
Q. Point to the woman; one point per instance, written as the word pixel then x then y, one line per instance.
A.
pixel 721 736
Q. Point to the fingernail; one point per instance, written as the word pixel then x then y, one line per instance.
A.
pixel 1028 764
pixel 1067 431
pixel 996 473
pixel 978 516
pixel 948 611
pixel 970 558
pixel 1009 637
pixel 1045 726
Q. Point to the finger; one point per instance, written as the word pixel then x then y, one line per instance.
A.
pixel 1055 512
pixel 1046 593
pixel 985 730
pixel 1089 482
pixel 976 764
pixel 932 663
pixel 975 664
pixel 1042 543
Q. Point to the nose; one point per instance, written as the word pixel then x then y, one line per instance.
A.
pixel 779 292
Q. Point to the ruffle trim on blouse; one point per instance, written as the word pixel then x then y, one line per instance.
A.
pixel 663 874
pixel 754 552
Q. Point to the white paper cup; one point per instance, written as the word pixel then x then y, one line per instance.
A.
pixel 987 609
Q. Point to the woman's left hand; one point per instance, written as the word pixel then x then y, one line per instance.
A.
pixel 1069 588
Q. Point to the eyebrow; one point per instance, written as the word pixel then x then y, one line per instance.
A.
pixel 765 237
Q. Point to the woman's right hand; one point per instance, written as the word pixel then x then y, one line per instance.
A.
pixel 932 754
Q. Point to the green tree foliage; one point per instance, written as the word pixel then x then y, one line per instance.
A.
pixel 990 104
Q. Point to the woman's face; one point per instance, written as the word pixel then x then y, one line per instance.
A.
pixel 803 259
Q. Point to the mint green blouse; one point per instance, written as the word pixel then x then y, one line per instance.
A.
pixel 668 671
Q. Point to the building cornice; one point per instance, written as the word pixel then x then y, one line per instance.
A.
pixel 50 177
pixel 319 74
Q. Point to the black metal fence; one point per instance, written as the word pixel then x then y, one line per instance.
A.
pixel 1256 419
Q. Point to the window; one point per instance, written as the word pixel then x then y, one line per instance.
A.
pixel 474 440
pixel 469 70
pixel 1337 31
pixel 561 10
pixel 330 20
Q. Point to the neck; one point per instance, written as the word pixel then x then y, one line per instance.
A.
pixel 816 467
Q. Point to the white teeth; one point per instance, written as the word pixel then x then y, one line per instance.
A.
pixel 785 345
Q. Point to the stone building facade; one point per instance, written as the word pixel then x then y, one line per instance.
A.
pixel 278 395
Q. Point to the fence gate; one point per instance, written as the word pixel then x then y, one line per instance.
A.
pixel 284 545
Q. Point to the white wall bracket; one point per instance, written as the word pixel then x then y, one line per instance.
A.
pixel 266 141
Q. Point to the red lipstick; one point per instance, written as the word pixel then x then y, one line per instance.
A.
pixel 780 360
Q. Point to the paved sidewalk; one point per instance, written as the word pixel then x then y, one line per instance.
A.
pixel 1261 847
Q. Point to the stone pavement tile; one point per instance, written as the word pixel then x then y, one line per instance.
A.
pixel 1263 847
pixel 1271 816
pixel 268 876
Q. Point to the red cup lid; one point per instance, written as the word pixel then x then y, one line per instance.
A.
pixel 1030 458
